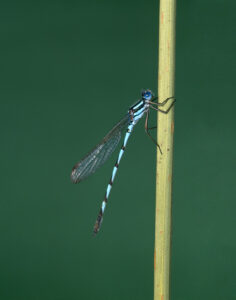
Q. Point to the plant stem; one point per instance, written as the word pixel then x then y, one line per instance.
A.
pixel 165 140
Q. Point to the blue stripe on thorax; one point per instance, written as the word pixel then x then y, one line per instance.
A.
pixel 138 114
pixel 137 105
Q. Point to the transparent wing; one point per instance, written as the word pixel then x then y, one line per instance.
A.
pixel 97 157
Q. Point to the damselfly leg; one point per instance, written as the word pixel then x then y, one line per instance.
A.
pixel 147 131
pixel 153 104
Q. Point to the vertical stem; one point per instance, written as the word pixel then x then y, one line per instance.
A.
pixel 165 139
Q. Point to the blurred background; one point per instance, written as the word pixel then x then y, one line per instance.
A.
pixel 69 72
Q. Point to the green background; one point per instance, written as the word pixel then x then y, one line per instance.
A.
pixel 69 72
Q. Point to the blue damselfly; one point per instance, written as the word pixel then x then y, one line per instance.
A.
pixel 97 157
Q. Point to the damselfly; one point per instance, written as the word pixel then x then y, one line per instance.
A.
pixel 97 157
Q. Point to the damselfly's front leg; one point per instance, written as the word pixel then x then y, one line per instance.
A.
pixel 153 104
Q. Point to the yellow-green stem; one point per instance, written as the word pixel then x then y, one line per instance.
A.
pixel 166 70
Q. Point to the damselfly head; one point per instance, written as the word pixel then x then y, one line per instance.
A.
pixel 147 94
